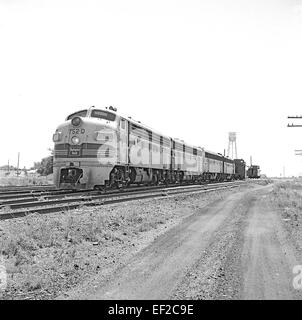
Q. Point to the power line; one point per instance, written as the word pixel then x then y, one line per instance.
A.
pixel 294 125
pixel 297 152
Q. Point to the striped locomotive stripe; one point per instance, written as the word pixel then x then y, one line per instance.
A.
pixel 217 157
pixel 85 150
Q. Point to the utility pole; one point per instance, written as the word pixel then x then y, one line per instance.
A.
pixel 297 152
pixel 8 166
pixel 18 164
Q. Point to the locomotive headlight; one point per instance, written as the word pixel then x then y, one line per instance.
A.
pixel 75 140
pixel 76 121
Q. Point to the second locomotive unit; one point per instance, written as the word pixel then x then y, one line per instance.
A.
pixel 97 148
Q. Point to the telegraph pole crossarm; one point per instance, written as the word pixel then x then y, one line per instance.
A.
pixel 297 152
pixel 294 125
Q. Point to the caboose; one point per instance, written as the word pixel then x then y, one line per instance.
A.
pixel 253 172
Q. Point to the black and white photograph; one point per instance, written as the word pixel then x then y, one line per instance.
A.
pixel 150 151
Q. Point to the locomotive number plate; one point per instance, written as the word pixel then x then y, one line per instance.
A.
pixel 74 152
pixel 77 131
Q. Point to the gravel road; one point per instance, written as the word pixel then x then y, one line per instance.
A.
pixel 235 248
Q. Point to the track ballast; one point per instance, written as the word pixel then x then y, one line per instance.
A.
pixel 60 201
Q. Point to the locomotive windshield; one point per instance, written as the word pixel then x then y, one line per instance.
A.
pixel 103 115
pixel 81 113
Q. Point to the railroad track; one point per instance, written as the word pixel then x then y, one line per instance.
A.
pixel 27 187
pixel 11 197
pixel 57 203
pixel 35 193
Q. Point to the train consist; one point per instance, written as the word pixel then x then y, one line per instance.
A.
pixel 99 148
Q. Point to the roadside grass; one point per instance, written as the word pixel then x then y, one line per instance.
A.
pixel 25 180
pixel 288 197
pixel 46 255
pixel 295 184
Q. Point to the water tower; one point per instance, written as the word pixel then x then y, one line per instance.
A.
pixel 232 146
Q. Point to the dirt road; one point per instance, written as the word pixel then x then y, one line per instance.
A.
pixel 235 248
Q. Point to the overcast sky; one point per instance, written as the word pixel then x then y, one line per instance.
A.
pixel 192 69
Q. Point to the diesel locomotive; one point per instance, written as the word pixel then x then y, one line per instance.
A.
pixel 99 148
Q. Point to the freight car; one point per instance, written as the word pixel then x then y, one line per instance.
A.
pixel 239 169
pixel 253 172
pixel 97 148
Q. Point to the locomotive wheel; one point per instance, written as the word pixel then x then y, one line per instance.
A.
pixel 117 177
pixel 120 178
pixel 155 179
pixel 132 175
